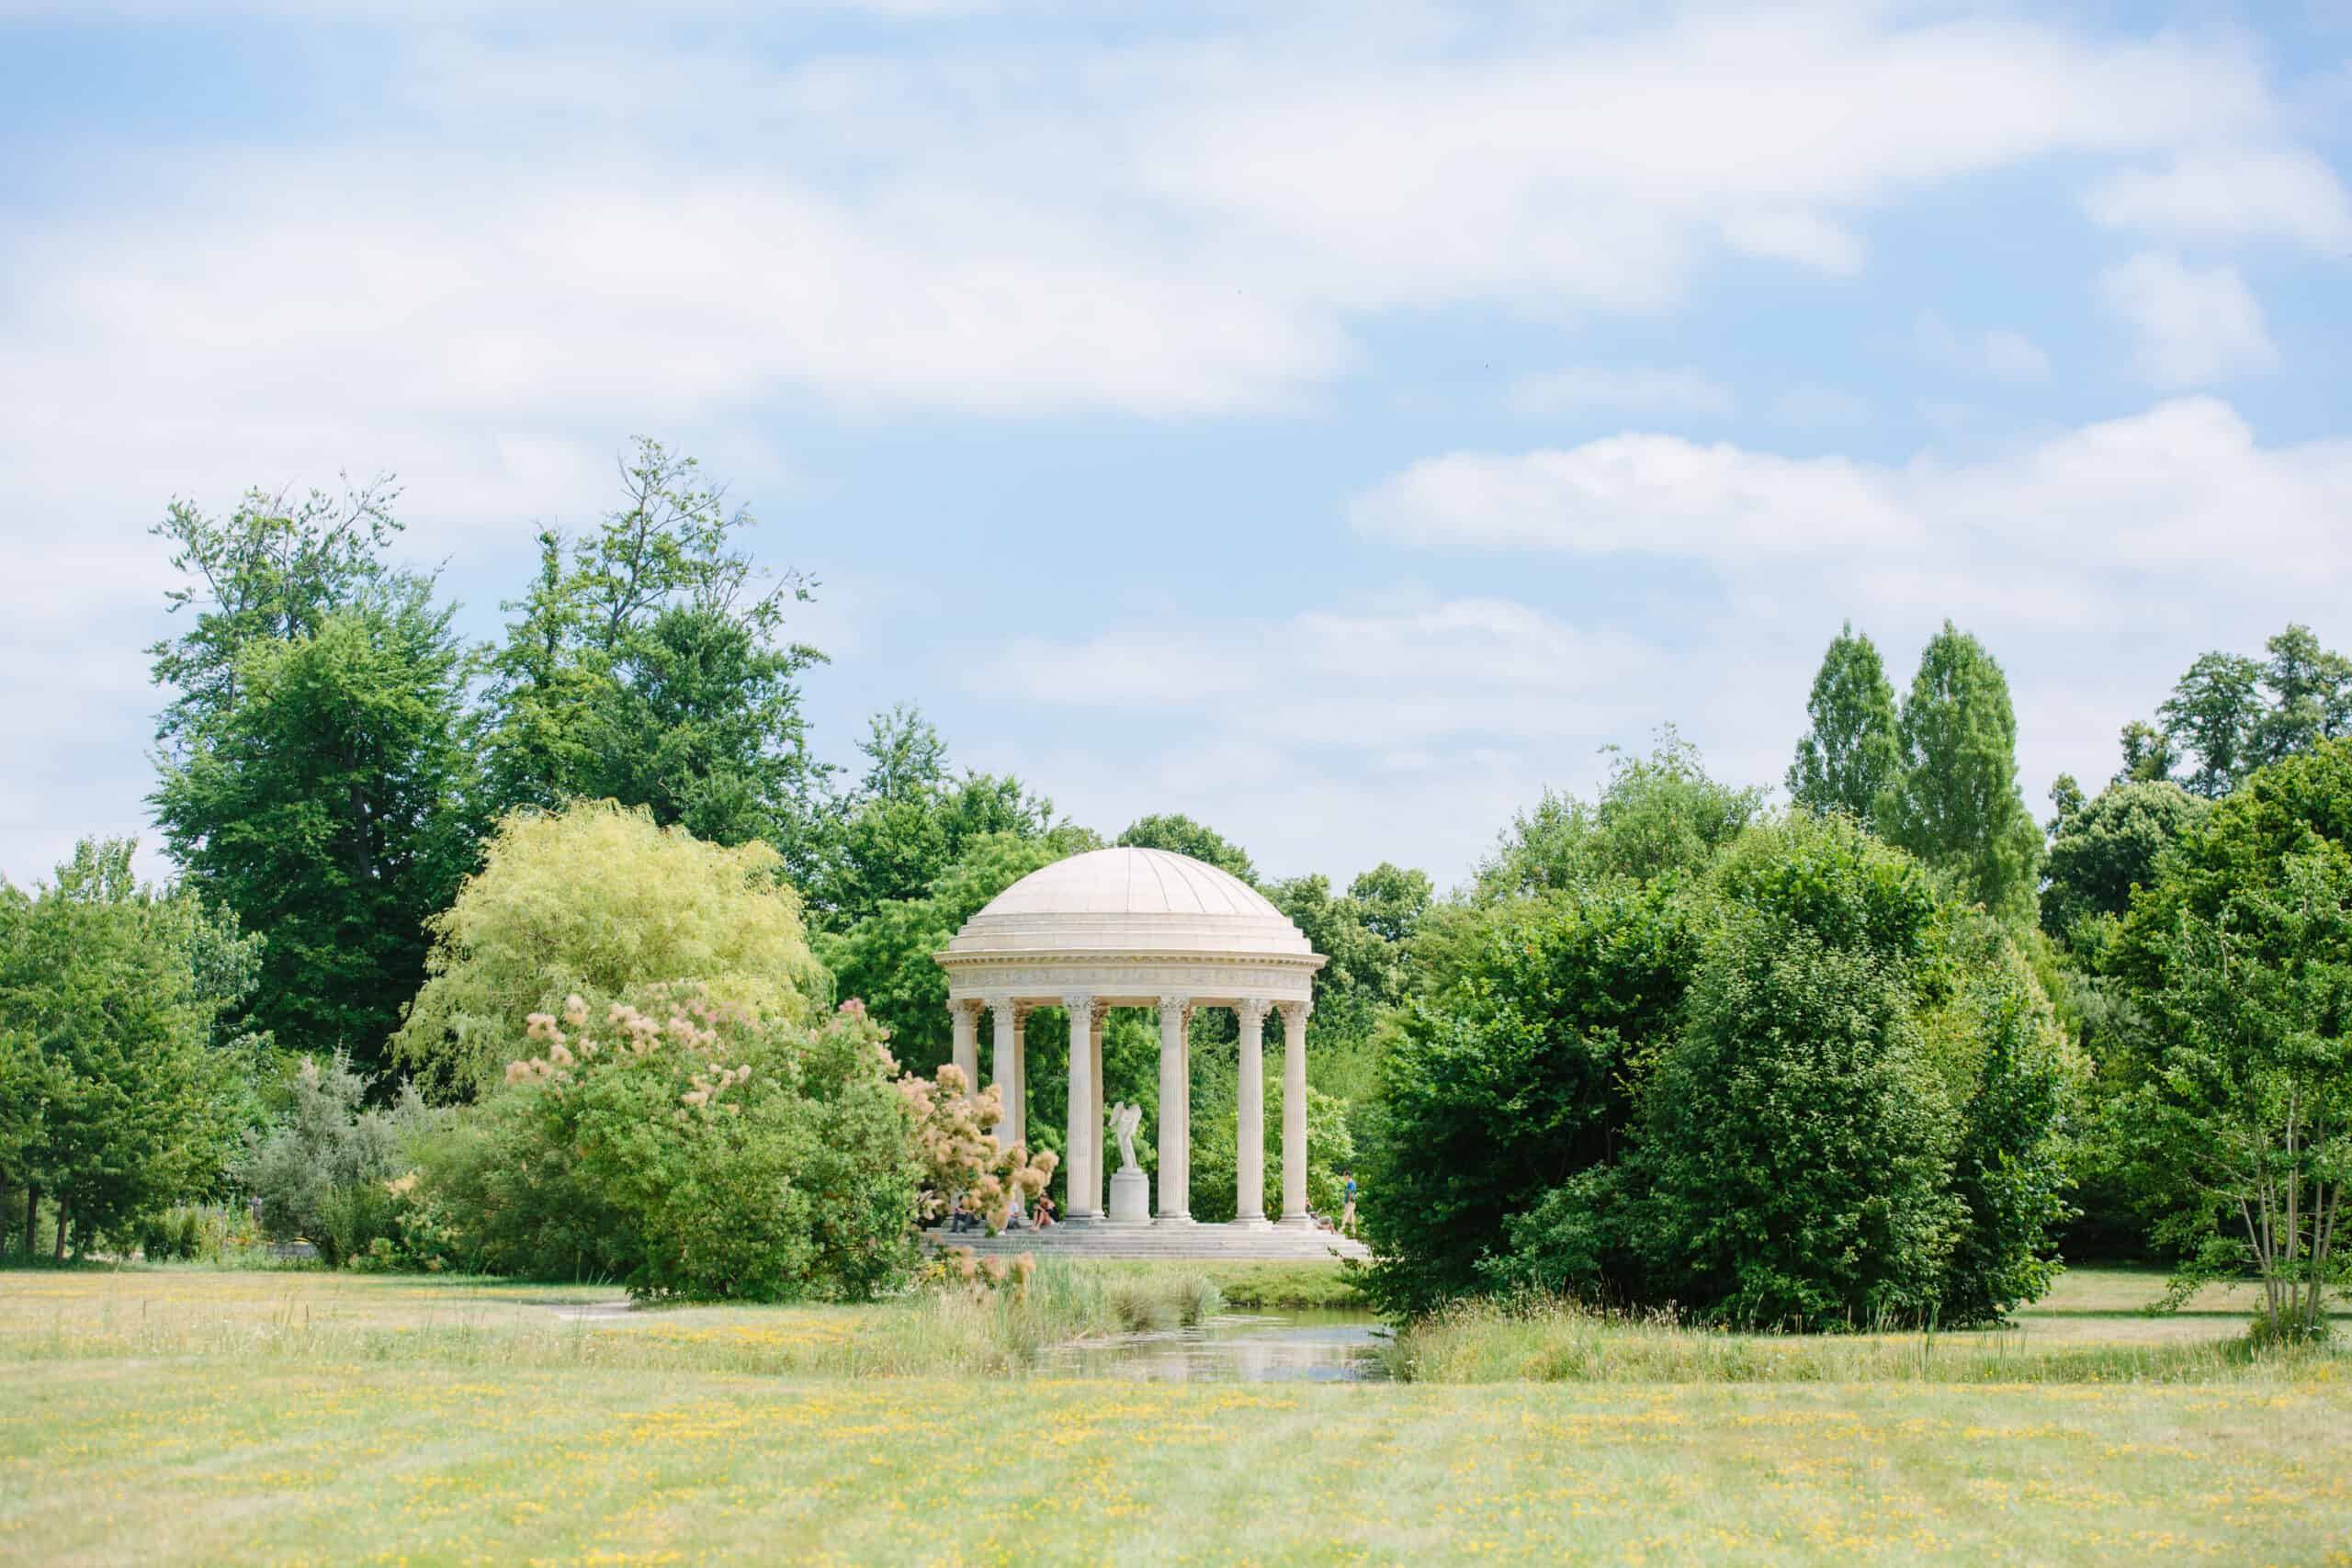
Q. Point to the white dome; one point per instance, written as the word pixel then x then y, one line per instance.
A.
pixel 1125 900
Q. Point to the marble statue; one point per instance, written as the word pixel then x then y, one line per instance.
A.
pixel 1125 1118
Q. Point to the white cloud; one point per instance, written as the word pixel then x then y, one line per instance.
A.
pixel 2002 352
pixel 1804 238
pixel 1627 389
pixel 2182 488
pixel 2234 194
pixel 1657 494
pixel 2193 325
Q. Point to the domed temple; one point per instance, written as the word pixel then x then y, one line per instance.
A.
pixel 1142 928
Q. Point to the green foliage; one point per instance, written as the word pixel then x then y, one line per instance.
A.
pixel 2101 851
pixel 1955 802
pixel 596 899
pixel 322 1171
pixel 1849 758
pixel 309 782
pixel 908 821
pixel 1797 1146
pixel 1180 835
pixel 114 1097
pixel 885 959
pixel 2232 714
pixel 693 1149
pixel 2235 1113
pixel 1517 1076
pixel 645 665
pixel 1656 814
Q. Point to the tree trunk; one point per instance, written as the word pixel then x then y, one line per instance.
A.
pixel 64 1210
pixel 32 1217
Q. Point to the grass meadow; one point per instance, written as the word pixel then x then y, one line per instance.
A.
pixel 178 1416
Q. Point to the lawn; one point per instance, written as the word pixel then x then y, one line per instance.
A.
pixel 179 1416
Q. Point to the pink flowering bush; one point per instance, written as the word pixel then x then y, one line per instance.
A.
pixel 955 1142
pixel 694 1150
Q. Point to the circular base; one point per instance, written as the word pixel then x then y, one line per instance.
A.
pixel 1252 1222
pixel 1175 1220
pixel 1295 1223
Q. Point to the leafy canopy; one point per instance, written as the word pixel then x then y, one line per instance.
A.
pixel 595 899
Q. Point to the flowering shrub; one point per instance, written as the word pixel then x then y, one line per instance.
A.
pixel 955 1142
pixel 692 1148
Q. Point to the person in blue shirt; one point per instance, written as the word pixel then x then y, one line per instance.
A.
pixel 1348 1211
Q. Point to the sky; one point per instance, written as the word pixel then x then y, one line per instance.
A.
pixel 1337 423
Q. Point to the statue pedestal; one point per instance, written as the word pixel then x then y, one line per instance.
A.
pixel 1130 1199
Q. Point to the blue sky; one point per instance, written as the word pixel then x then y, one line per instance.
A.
pixel 1338 422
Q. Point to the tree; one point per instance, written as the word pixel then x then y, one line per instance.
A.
pixel 2099 852
pixel 1180 834
pixel 1517 1076
pixel 1657 815
pixel 596 899
pixel 2215 713
pixel 646 665
pixel 113 1097
pixel 308 756
pixel 2231 1099
pixel 892 847
pixel 271 571
pixel 1956 802
pixel 1849 758
pixel 323 806
pixel 885 959
pixel 2251 1110
pixel 2149 755
pixel 2311 693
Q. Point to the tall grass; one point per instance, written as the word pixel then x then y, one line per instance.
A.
pixel 339 1320
pixel 1541 1339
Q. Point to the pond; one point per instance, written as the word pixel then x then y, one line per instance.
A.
pixel 1323 1344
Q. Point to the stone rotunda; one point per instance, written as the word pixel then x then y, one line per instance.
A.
pixel 1142 928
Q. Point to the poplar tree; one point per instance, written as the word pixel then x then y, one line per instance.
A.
pixel 1848 759
pixel 1954 802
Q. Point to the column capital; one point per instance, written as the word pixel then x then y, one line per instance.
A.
pixel 1004 1010
pixel 1250 1010
pixel 1080 1005
pixel 1175 1004
pixel 1294 1011
pixel 963 1006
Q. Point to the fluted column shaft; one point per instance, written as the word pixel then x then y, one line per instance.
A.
pixel 1005 1063
pixel 1175 1095
pixel 1094 1057
pixel 1085 1124
pixel 964 1018
pixel 1017 1107
pixel 1294 1114
pixel 1249 1128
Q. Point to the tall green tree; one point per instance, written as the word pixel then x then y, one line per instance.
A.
pixel 647 664
pixel 2215 715
pixel 114 1096
pixel 1956 802
pixel 311 769
pixel 1849 758
pixel 2311 696
pixel 2149 754
pixel 325 808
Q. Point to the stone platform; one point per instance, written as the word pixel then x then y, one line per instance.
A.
pixel 1204 1244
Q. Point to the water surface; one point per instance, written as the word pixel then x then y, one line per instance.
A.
pixel 1324 1345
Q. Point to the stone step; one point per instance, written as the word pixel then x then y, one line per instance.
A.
pixel 1189 1243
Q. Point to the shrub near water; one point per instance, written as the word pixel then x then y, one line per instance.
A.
pixel 694 1151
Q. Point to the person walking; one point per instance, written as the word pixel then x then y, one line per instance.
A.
pixel 1348 1210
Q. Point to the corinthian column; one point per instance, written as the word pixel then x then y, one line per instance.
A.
pixel 1175 1096
pixel 964 1016
pixel 1295 1116
pixel 1006 1059
pixel 1085 1123
pixel 1250 1129
pixel 1094 1061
